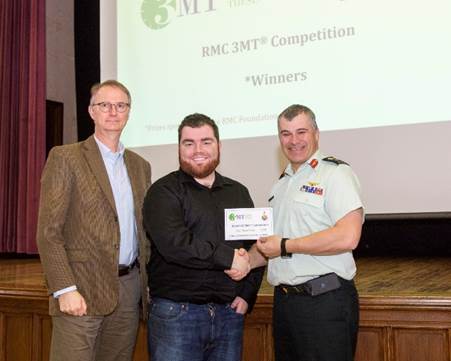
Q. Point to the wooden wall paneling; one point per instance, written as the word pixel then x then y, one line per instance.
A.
pixel 141 343
pixel 420 344
pixel 37 339
pixel 255 343
pixel 42 336
pixel 449 343
pixel 2 337
pixel 19 336
pixel 46 337
pixel 371 344
pixel 270 349
pixel 389 348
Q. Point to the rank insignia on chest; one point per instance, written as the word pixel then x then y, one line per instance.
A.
pixel 311 187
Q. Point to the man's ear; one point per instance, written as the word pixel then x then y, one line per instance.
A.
pixel 90 111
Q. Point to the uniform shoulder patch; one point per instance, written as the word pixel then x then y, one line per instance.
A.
pixel 335 160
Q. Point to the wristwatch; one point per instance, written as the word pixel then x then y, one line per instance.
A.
pixel 283 249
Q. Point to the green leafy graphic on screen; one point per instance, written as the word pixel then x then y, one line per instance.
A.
pixel 157 14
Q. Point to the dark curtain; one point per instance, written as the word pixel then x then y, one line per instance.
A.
pixel 22 121
pixel 87 59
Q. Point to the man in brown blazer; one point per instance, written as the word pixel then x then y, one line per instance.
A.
pixel 91 241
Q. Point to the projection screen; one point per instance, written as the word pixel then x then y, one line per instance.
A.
pixel 376 74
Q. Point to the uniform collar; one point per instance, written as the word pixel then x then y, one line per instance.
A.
pixel 313 163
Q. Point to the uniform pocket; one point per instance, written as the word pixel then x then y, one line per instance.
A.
pixel 307 201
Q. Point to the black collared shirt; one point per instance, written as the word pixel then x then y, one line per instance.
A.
pixel 185 222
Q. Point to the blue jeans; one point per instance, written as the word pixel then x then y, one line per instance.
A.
pixel 191 332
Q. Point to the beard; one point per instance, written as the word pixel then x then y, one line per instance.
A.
pixel 199 171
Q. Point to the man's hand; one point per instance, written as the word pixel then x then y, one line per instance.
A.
pixel 240 265
pixel 72 303
pixel 269 246
pixel 239 305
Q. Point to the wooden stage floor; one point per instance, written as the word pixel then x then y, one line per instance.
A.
pixel 376 277
pixel 405 312
pixel 400 277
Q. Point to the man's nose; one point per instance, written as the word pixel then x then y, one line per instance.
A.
pixel 294 139
pixel 198 147
pixel 113 109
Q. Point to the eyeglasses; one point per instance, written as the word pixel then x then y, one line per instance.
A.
pixel 106 107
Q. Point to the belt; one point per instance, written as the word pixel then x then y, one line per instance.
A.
pixel 125 270
pixel 314 287
pixel 293 290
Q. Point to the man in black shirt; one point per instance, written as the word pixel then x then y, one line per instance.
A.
pixel 196 310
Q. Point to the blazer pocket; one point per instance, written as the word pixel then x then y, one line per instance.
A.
pixel 77 255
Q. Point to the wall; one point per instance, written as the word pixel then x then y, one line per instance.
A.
pixel 61 61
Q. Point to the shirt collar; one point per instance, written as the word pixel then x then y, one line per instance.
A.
pixel 108 153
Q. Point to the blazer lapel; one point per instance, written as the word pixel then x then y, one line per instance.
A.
pixel 94 158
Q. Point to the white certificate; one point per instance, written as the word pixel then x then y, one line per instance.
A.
pixel 248 223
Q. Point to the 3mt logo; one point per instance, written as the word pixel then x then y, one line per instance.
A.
pixel 157 14
pixel 232 217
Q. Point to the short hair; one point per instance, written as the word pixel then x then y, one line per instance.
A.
pixel 294 110
pixel 112 83
pixel 198 120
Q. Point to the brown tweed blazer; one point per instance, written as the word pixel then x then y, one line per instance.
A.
pixel 78 231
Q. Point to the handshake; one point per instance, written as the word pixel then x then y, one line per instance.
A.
pixel 241 265
pixel 243 261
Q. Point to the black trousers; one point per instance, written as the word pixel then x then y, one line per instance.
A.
pixel 319 328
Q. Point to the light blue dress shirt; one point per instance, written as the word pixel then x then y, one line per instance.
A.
pixel 123 197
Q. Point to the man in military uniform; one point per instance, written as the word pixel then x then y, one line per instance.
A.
pixel 318 216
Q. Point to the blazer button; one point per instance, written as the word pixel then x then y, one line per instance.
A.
pixel 116 246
